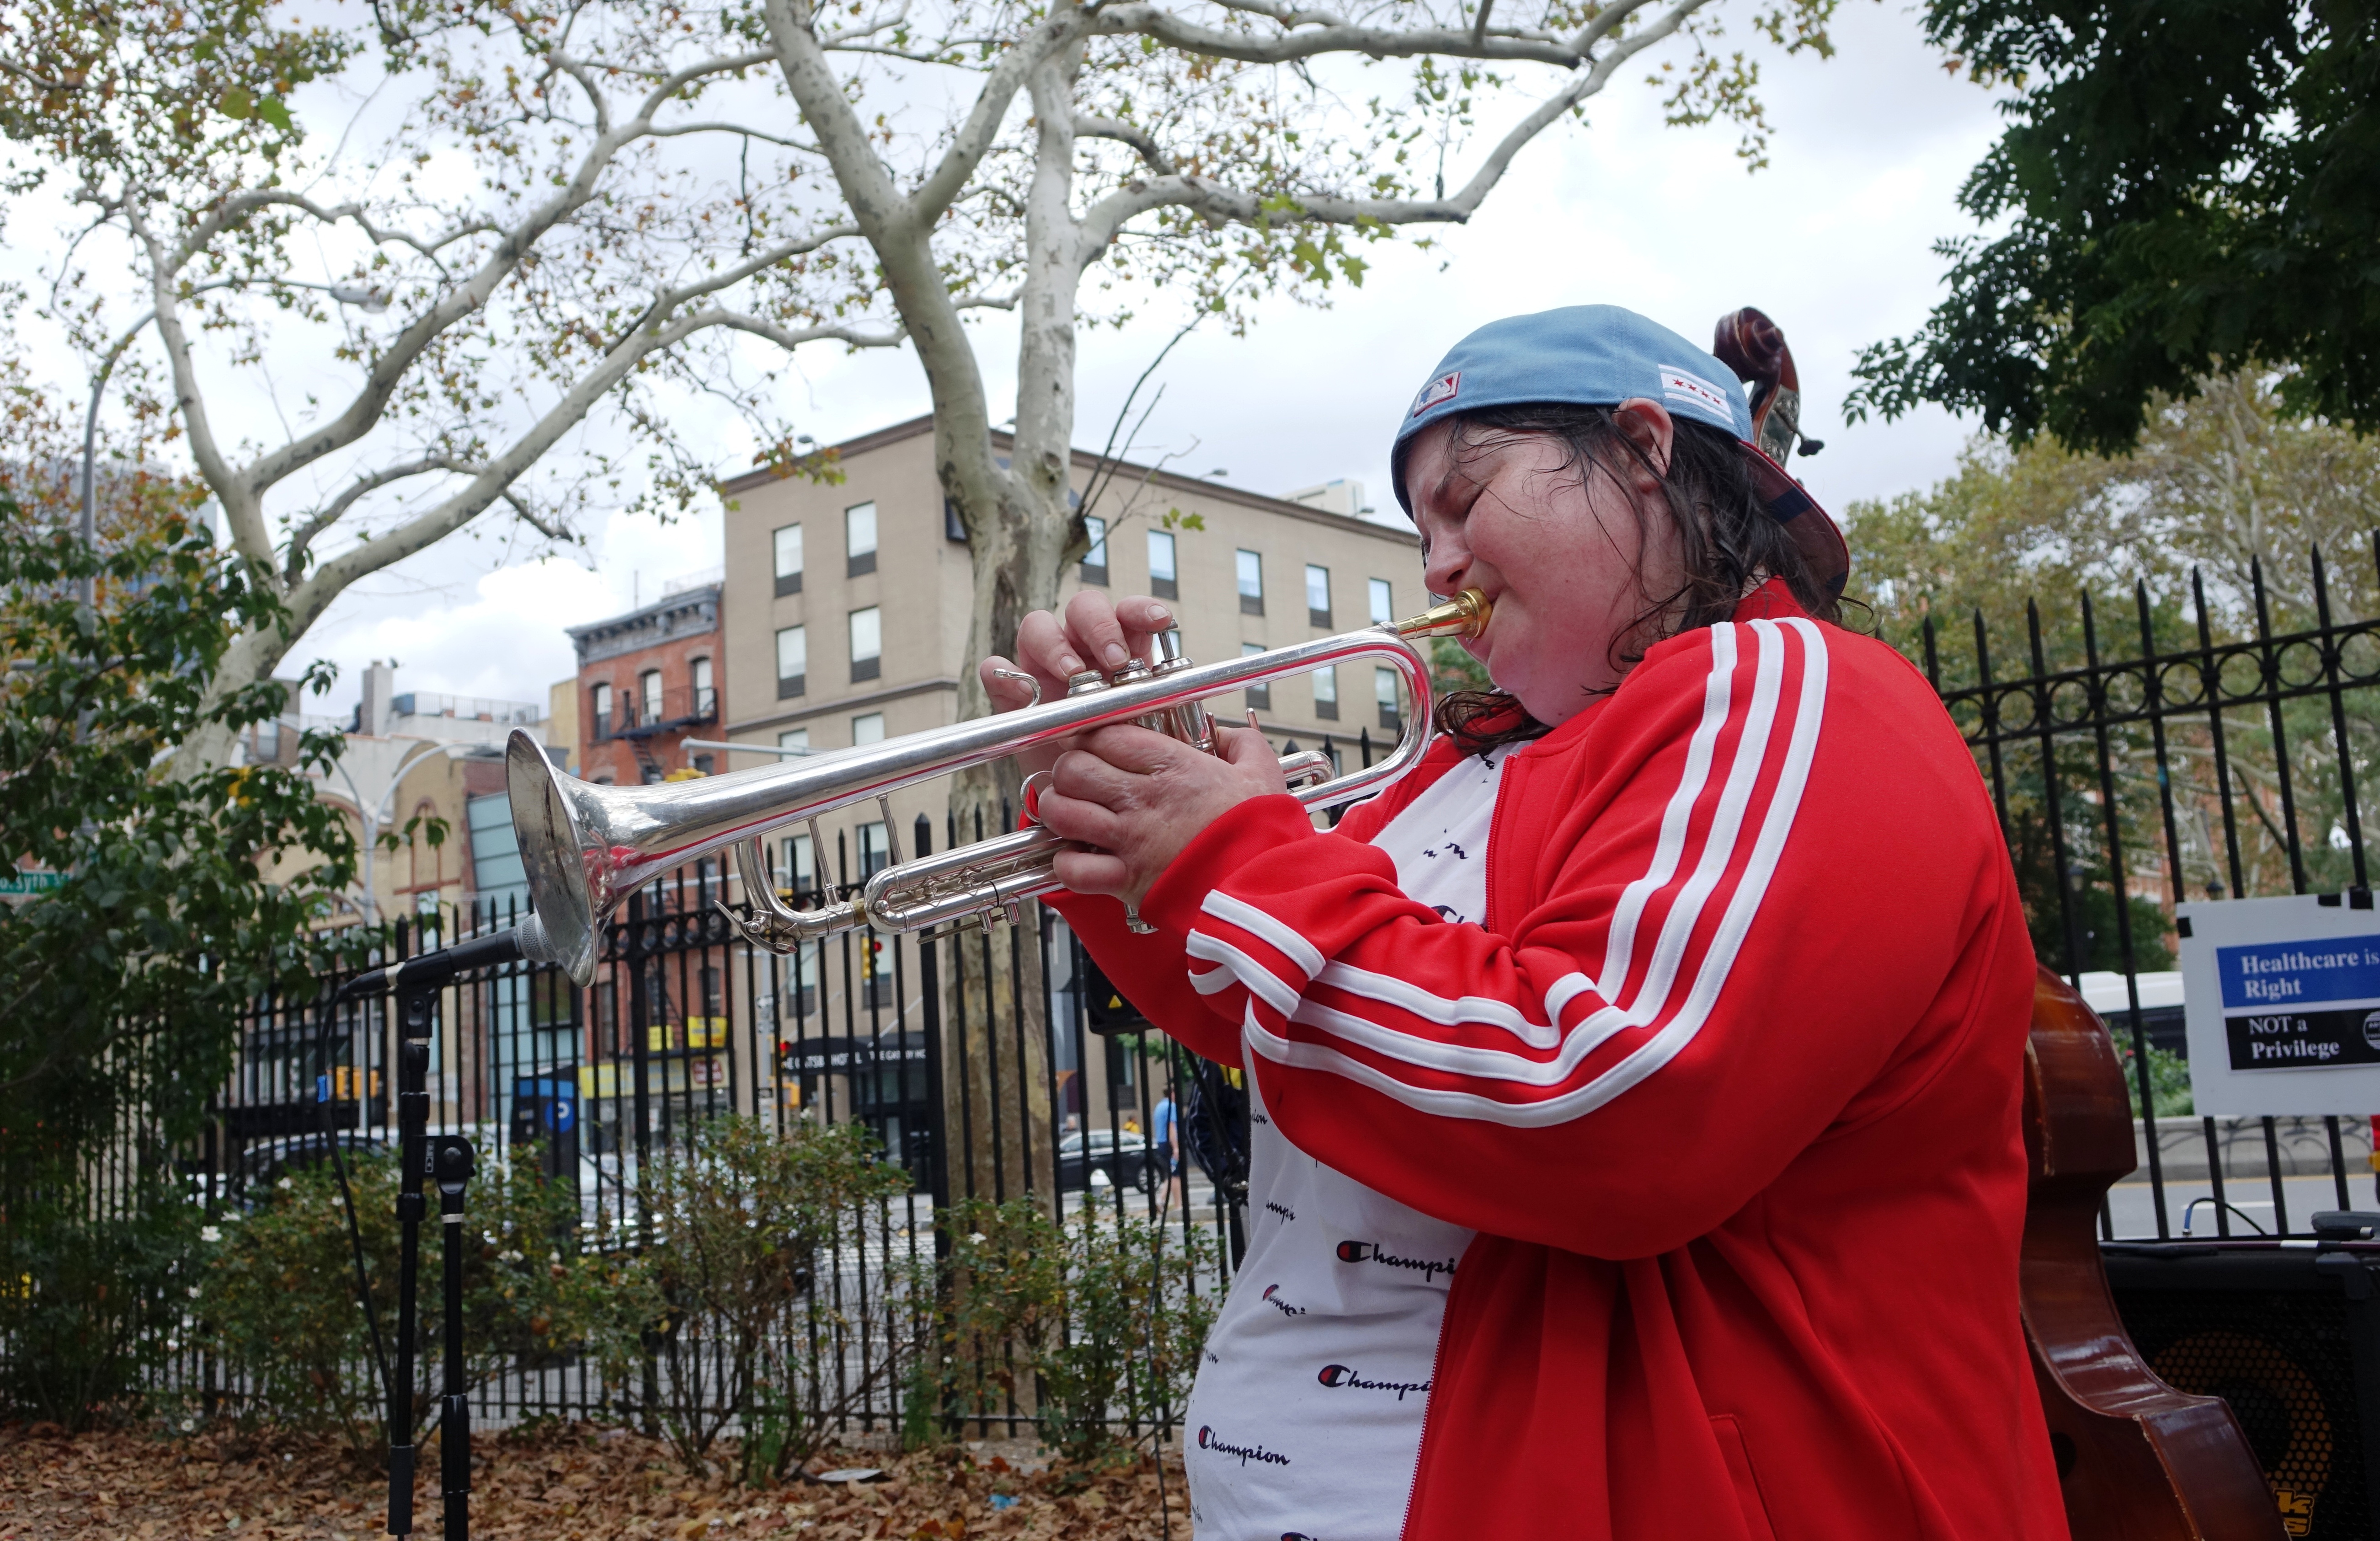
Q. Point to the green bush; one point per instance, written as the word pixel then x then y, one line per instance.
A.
pixel 276 1294
pixel 1095 1318
pixel 89 1305
pixel 2168 1077
pixel 742 1228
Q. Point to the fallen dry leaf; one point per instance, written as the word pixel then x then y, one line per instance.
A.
pixel 576 1482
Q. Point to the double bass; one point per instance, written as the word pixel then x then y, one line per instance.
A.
pixel 2137 1460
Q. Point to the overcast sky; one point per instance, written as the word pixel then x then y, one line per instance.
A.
pixel 1833 240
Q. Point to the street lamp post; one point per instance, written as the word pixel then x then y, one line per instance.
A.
pixel 372 815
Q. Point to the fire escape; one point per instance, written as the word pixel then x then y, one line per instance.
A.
pixel 681 707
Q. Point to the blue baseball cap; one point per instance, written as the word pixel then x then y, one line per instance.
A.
pixel 1601 356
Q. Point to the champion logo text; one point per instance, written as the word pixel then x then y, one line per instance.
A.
pixel 1337 1376
pixel 1210 1440
pixel 1367 1252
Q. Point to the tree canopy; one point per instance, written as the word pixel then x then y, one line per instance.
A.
pixel 445 259
pixel 2187 186
pixel 153 916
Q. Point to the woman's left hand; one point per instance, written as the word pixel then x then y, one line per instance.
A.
pixel 1140 797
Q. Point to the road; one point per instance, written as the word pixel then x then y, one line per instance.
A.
pixel 2134 1209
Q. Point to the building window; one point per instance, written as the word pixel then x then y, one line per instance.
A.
pixel 793 660
pixel 1260 696
pixel 1251 583
pixel 859 539
pixel 648 693
pixel 788 542
pixel 428 859
pixel 867 728
pixel 706 701
pixel 794 739
pixel 1384 604
pixel 875 850
pixel 702 763
pixel 866 644
pixel 603 704
pixel 800 871
pixel 1161 565
pixel 1317 595
pixel 1384 691
pixel 1094 561
pixel 1326 693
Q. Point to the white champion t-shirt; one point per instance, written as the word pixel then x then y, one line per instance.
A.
pixel 1306 1418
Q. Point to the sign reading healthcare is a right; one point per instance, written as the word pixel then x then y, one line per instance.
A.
pixel 2283 1004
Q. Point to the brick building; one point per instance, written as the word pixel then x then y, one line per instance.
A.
pixel 646 681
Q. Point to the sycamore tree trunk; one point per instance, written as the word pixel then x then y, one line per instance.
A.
pixel 1019 531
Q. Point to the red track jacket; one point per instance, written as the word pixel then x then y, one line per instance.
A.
pixel 1728 1084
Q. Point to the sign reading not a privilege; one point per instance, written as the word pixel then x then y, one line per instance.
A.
pixel 2282 998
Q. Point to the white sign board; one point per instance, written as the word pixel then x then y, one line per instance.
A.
pixel 2282 998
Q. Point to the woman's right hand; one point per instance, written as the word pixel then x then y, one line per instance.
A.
pixel 1096 632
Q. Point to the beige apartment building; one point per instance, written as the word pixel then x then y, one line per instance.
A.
pixel 846 607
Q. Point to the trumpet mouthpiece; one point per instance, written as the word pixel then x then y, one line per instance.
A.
pixel 1464 615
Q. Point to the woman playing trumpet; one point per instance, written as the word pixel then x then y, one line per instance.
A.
pixel 1634 1084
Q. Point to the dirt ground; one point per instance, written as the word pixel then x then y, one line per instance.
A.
pixel 576 1482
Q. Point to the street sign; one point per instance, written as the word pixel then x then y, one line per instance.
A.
pixel 2283 1002
pixel 15 883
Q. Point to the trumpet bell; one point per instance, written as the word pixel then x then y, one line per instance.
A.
pixel 547 828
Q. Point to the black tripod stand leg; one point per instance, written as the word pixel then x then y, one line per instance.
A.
pixel 452 1158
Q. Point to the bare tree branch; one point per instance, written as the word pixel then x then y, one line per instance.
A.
pixel 675 131
pixel 1107 218
pixel 302 535
pixel 494 478
pixel 1141 141
pixel 388 368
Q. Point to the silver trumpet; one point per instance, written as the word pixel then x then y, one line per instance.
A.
pixel 587 847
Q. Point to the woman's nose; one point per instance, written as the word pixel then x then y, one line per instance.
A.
pixel 1446 565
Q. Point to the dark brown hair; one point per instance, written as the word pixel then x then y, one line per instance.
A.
pixel 1727 542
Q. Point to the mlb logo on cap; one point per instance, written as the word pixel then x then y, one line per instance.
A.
pixel 1441 389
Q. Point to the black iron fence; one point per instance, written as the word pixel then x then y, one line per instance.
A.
pixel 988 1064
pixel 2214 752
pixel 2197 746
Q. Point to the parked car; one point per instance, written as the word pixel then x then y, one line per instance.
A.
pixel 257 1169
pixel 1102 1157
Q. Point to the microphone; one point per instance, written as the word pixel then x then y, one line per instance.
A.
pixel 433 969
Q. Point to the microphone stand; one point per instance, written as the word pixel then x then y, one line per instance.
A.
pixel 449 1160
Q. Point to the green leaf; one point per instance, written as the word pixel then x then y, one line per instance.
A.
pixel 236 104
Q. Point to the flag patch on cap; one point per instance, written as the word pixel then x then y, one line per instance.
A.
pixel 1440 389
pixel 1682 386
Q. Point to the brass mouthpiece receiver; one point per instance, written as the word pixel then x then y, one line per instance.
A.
pixel 1465 615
